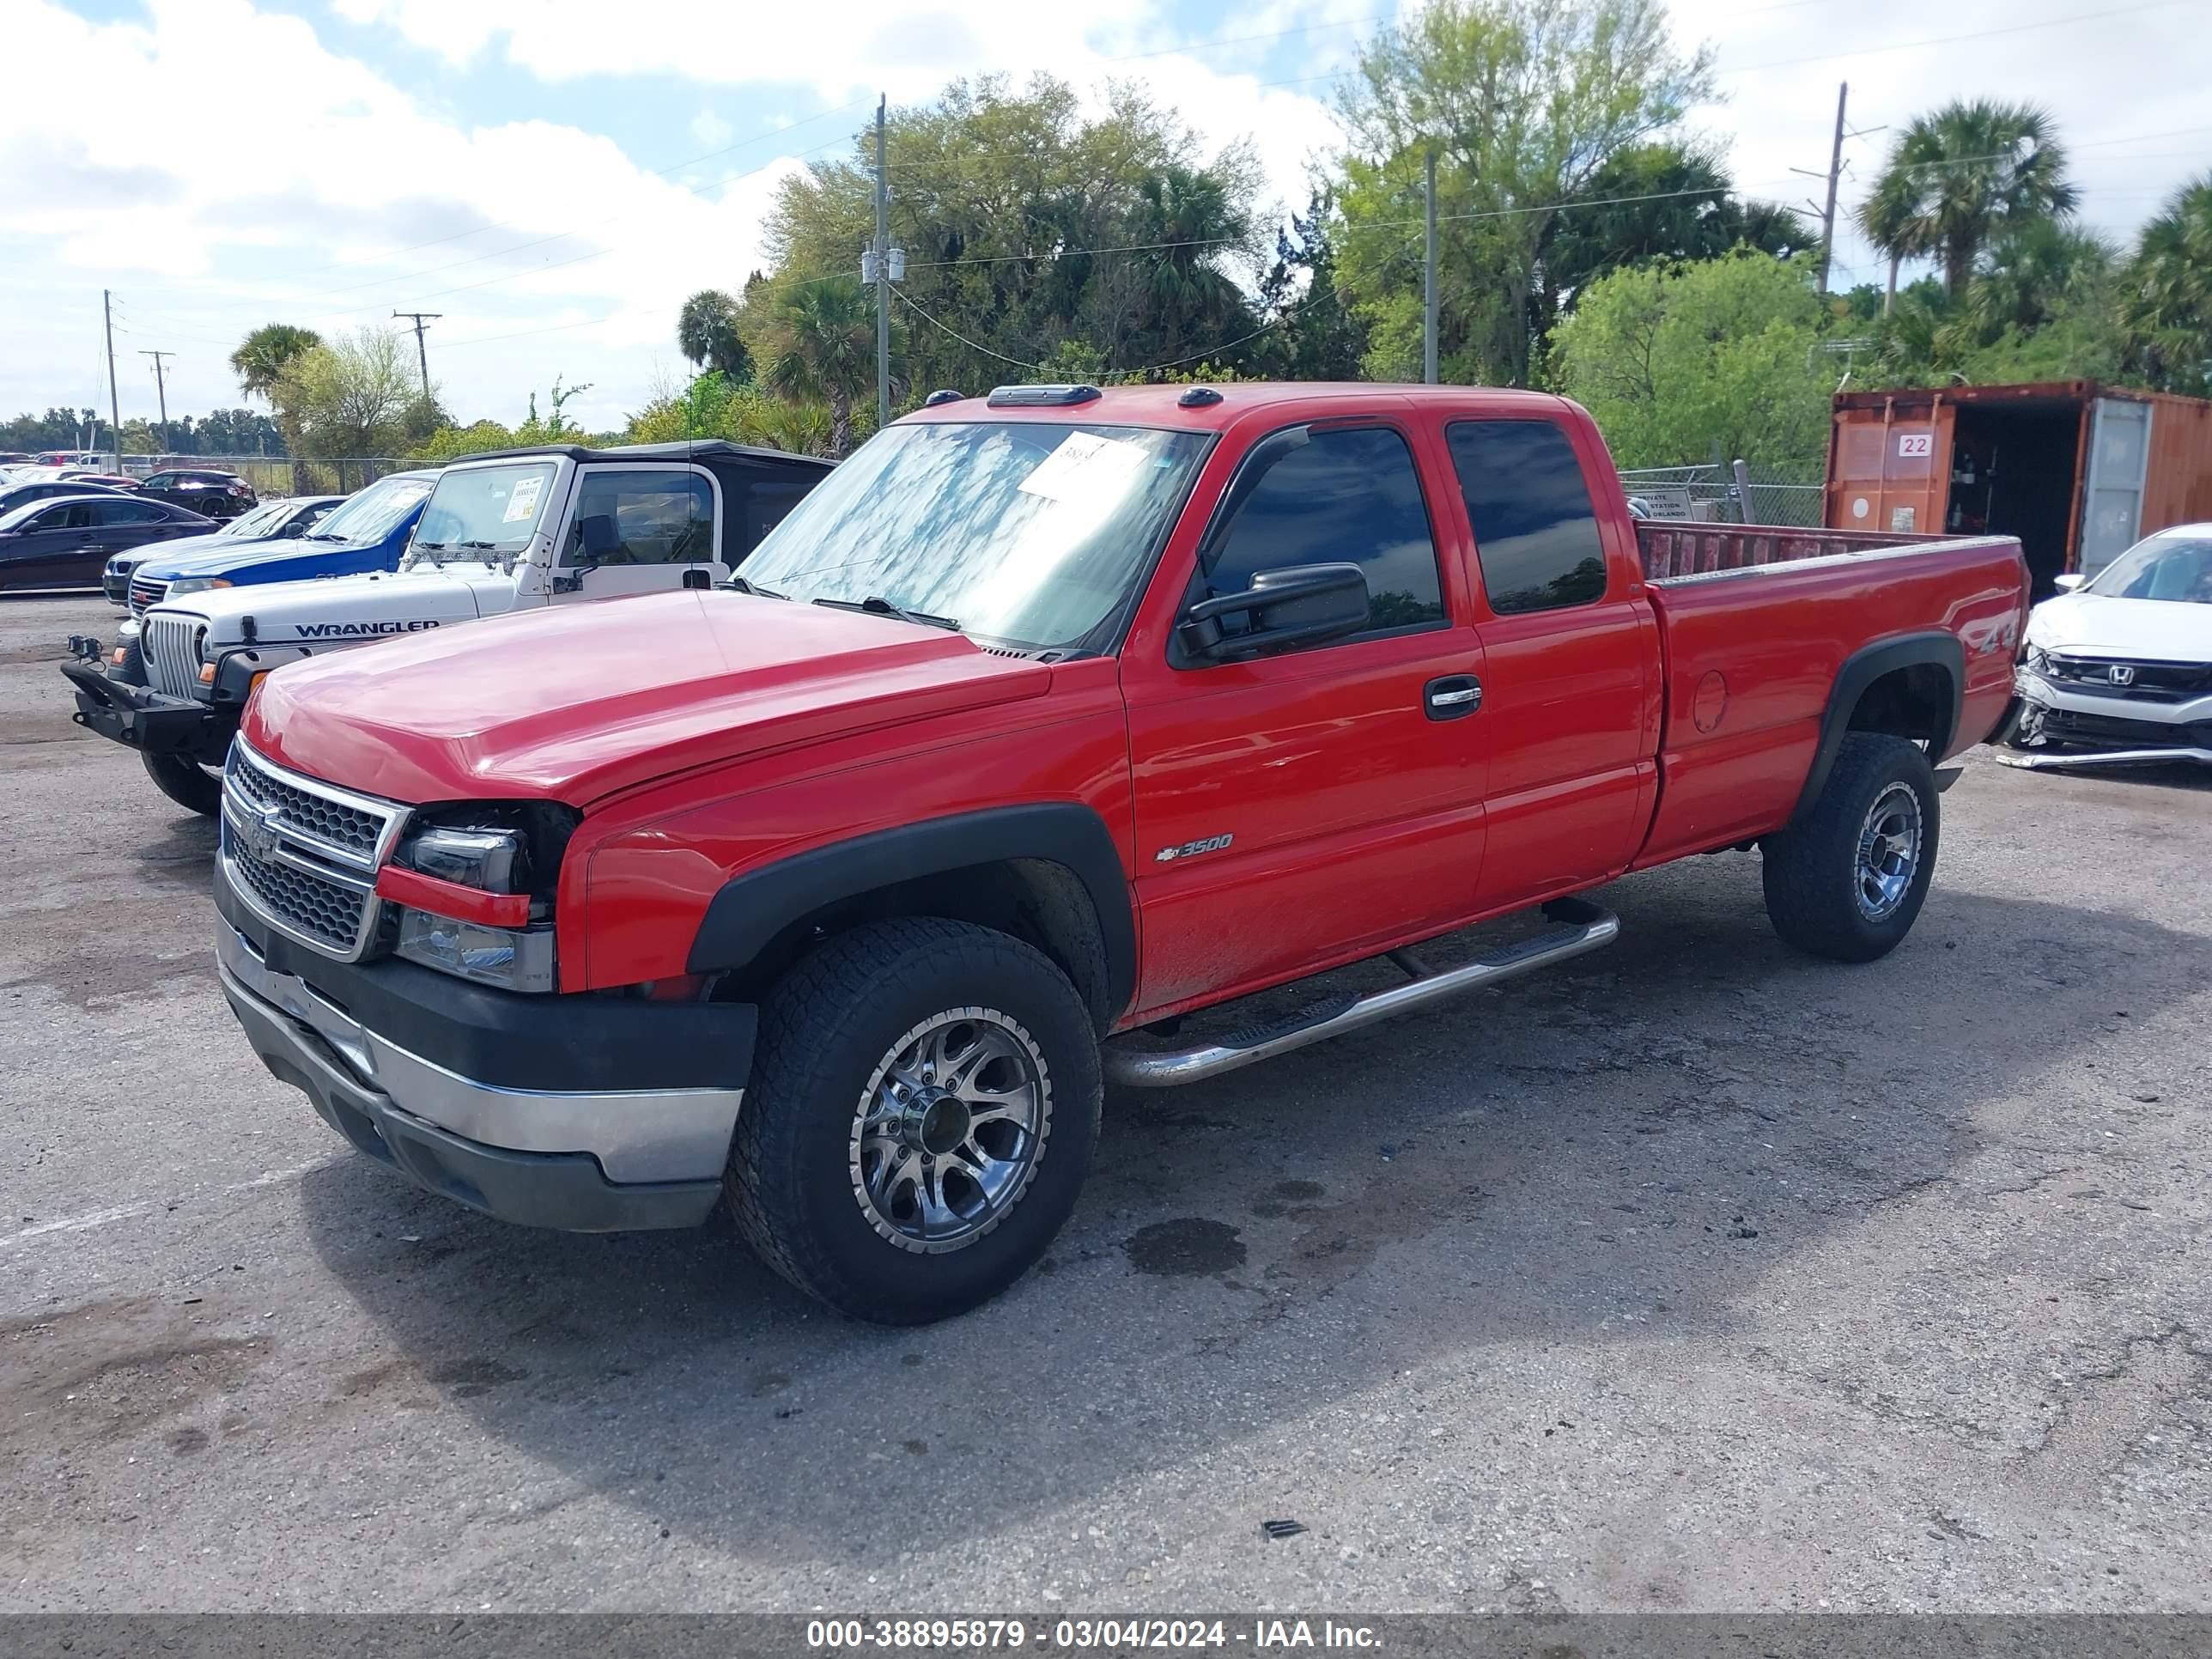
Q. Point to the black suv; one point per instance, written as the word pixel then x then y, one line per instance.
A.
pixel 198 490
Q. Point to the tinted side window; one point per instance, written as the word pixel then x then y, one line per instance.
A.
pixel 1535 532
pixel 104 513
pixel 54 517
pixel 652 517
pixel 1347 496
pixel 160 481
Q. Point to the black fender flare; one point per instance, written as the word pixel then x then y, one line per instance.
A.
pixel 752 908
pixel 1934 648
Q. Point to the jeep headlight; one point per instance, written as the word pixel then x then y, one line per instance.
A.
pixel 195 585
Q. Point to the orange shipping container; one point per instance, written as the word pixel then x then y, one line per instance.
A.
pixel 2077 470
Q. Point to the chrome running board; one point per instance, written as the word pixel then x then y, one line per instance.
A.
pixel 2038 761
pixel 1577 927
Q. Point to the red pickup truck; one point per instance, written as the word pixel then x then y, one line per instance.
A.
pixel 1047 719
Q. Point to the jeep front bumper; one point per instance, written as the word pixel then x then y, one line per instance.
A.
pixel 144 719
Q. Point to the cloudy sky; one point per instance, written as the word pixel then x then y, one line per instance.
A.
pixel 554 175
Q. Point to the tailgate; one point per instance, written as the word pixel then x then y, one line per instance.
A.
pixel 1752 654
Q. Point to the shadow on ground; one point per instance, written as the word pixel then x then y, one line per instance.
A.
pixel 1664 1123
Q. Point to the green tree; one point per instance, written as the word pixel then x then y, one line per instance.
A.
pixel 265 355
pixel 351 397
pixel 1958 178
pixel 1524 101
pixel 1655 203
pixel 1676 361
pixel 824 346
pixel 2165 295
pixel 707 334
pixel 1028 223
pixel 1315 336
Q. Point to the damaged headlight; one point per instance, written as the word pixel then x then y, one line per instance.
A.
pixel 512 851
pixel 512 958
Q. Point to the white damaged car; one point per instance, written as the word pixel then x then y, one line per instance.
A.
pixel 2118 670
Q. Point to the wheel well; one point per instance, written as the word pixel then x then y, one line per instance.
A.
pixel 1915 702
pixel 1043 904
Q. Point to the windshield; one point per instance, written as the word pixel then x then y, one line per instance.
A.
pixel 259 519
pixel 483 510
pixel 1024 532
pixel 2176 568
pixel 375 513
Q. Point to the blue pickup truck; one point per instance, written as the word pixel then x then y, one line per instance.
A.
pixel 369 532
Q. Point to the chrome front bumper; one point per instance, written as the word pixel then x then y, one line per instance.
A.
pixel 589 1163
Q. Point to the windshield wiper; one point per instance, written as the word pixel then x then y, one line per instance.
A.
pixel 321 536
pixel 478 546
pixel 739 584
pixel 876 605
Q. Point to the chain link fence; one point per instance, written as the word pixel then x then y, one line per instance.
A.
pixel 1743 494
pixel 276 474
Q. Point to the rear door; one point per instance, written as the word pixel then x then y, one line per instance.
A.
pixel 1570 656
pixel 2112 484
pixel 640 529
pixel 1307 807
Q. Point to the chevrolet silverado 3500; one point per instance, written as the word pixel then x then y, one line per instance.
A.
pixel 838 893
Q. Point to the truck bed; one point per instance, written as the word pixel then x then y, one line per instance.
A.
pixel 1752 654
pixel 1676 547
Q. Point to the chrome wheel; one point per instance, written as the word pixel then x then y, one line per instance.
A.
pixel 949 1130
pixel 1889 852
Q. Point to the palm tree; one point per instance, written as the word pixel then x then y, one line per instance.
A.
pixel 707 334
pixel 262 361
pixel 2167 297
pixel 263 356
pixel 825 347
pixel 1958 178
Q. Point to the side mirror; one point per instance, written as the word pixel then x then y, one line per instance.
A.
pixel 1297 604
pixel 596 535
pixel 2070 580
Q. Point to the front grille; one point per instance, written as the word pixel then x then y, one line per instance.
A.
pixel 145 591
pixel 305 853
pixel 2070 726
pixel 171 646
pixel 2148 682
pixel 349 828
pixel 329 912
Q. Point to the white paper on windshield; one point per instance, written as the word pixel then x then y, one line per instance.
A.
pixel 1086 467
pixel 521 504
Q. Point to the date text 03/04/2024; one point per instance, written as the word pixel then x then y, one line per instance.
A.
pixel 1261 1635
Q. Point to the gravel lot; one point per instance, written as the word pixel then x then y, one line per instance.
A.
pixel 1696 1276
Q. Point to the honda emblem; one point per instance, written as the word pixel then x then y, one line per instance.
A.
pixel 2121 673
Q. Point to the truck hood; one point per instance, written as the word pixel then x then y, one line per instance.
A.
pixel 579 701
pixel 2154 630
pixel 327 610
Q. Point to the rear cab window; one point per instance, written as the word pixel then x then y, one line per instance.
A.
pixel 1536 539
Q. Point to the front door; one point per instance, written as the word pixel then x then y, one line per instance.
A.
pixel 1307 807
pixel 60 544
pixel 641 530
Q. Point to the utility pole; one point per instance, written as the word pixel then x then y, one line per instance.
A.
pixel 115 407
pixel 883 274
pixel 1834 177
pixel 162 393
pixel 1835 173
pixel 1429 280
pixel 421 319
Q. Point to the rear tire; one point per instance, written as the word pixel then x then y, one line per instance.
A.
pixel 924 1103
pixel 1847 879
pixel 184 782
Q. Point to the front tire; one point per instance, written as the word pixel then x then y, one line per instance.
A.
pixel 924 1104
pixel 184 782
pixel 1847 879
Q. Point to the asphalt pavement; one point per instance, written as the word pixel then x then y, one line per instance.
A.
pixel 1697 1275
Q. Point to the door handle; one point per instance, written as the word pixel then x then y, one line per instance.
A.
pixel 1451 697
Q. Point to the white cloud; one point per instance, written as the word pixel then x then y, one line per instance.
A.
pixel 710 131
